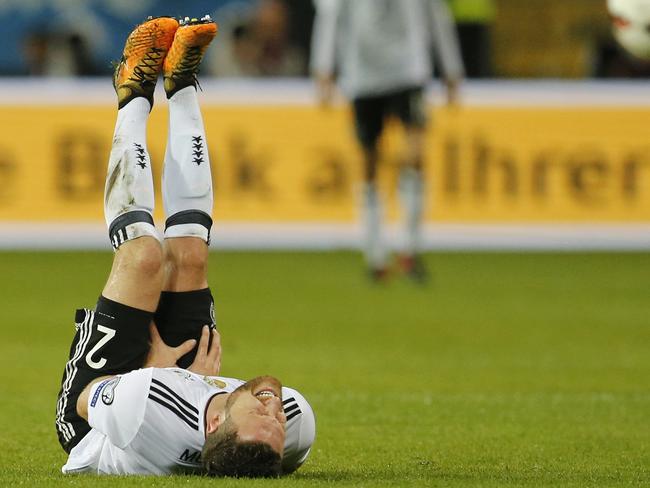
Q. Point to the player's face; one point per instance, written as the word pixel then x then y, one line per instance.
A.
pixel 256 409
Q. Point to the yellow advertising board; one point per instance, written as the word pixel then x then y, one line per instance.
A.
pixel 298 163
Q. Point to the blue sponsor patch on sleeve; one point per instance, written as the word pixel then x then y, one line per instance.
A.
pixel 98 391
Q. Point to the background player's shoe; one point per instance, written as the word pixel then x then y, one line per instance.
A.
pixel 142 59
pixel 378 275
pixel 414 268
pixel 182 62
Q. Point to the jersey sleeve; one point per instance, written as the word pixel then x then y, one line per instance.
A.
pixel 300 429
pixel 116 406
pixel 446 43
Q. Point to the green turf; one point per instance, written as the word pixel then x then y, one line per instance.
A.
pixel 508 370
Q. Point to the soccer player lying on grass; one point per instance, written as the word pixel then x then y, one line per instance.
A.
pixel 112 417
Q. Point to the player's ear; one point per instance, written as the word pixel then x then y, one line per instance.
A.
pixel 213 423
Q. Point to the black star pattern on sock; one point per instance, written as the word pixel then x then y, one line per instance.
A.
pixel 197 146
pixel 141 155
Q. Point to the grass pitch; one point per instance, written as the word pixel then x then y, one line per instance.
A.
pixel 507 370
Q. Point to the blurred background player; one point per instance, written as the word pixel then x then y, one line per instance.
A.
pixel 257 39
pixel 165 284
pixel 474 20
pixel 380 51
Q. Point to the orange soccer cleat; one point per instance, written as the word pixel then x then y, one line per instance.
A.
pixel 144 52
pixel 182 62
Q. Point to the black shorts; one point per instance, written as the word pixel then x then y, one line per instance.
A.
pixel 370 113
pixel 114 339
pixel 181 316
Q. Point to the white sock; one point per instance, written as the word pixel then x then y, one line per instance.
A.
pixel 411 194
pixel 374 250
pixel 187 181
pixel 128 195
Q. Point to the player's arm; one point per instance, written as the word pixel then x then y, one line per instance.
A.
pixel 447 47
pixel 323 48
pixel 115 405
pixel 160 356
pixel 207 361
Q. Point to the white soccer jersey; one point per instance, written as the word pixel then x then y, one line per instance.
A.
pixel 379 46
pixel 151 421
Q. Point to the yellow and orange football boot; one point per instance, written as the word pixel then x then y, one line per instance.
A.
pixel 184 57
pixel 142 59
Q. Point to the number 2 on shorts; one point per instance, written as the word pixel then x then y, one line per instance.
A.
pixel 109 334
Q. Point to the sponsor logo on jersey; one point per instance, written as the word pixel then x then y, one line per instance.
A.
pixel 108 395
pixel 190 456
pixel 214 382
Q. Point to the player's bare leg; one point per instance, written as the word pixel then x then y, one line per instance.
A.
pixel 185 264
pixel 136 277
pixel 186 302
